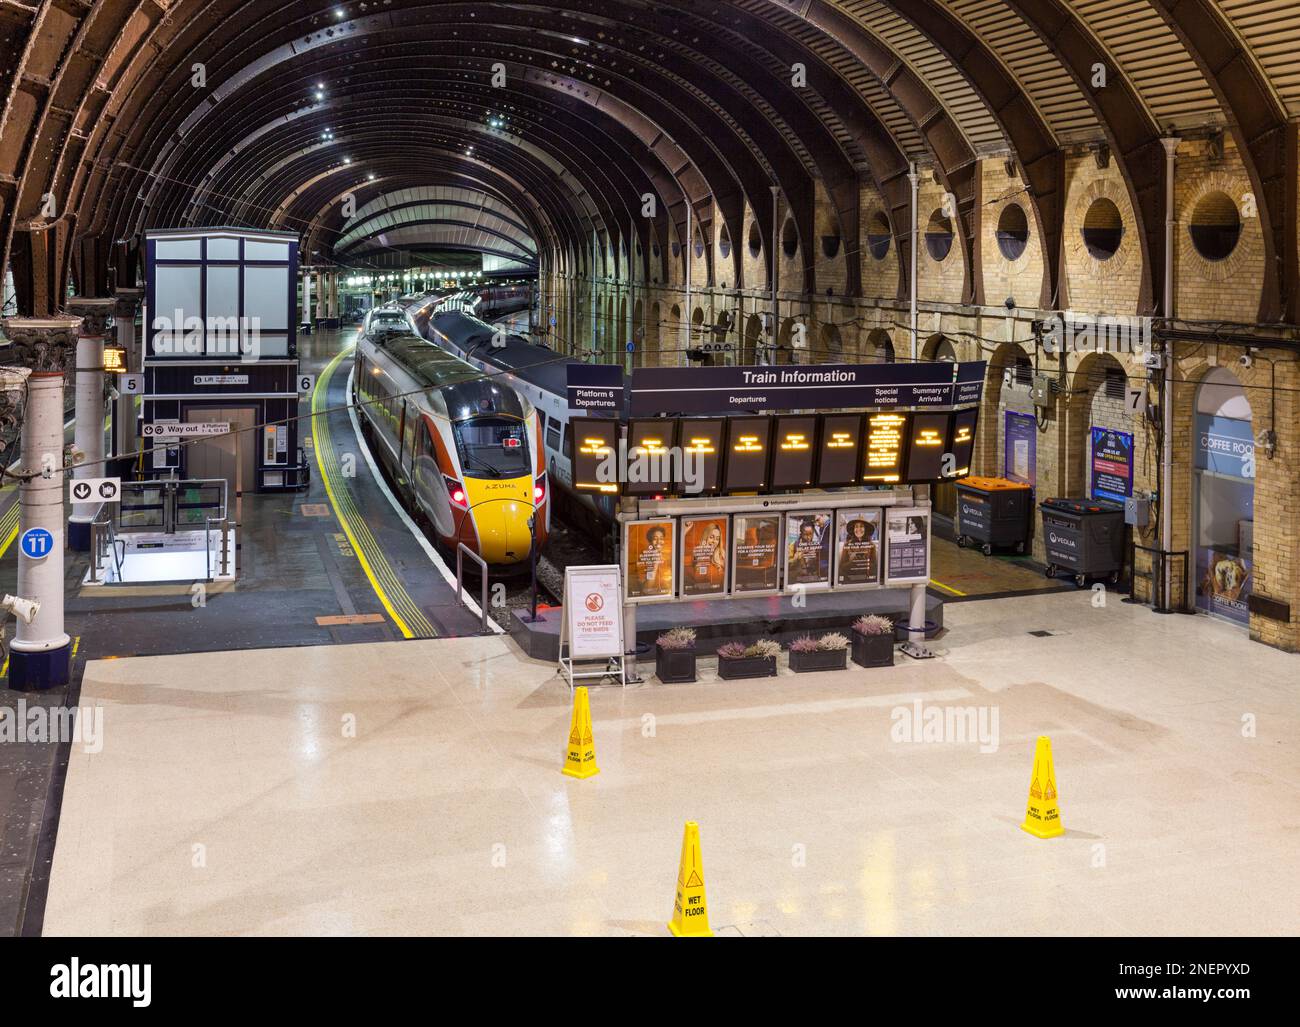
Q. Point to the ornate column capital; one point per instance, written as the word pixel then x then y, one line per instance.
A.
pixel 128 303
pixel 44 344
pixel 95 313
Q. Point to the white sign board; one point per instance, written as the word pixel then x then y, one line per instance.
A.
pixel 305 383
pixel 95 490
pixel 593 612
pixel 1135 400
pixel 130 384
pixel 196 430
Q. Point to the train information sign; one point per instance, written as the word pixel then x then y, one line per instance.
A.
pixel 841 444
pixel 747 452
pixel 794 452
pixel 883 458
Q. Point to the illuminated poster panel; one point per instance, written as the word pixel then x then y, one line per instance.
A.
pixel 653 464
pixel 703 568
pixel 701 442
pixel 927 443
pixel 808 535
pixel 756 541
pixel 883 449
pixel 747 453
pixel 857 548
pixel 595 454
pixel 648 559
pixel 907 546
pixel 794 452
pixel 841 444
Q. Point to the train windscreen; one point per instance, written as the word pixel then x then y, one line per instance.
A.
pixel 492 447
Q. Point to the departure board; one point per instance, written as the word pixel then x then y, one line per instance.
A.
pixel 794 451
pixel 653 464
pixel 841 442
pixel 927 442
pixel 595 450
pixel 701 442
pixel 963 440
pixel 883 458
pixel 747 442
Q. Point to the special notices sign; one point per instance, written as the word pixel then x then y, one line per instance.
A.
pixel 593 608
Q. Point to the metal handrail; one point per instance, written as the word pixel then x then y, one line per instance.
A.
pixel 462 551
pixel 223 523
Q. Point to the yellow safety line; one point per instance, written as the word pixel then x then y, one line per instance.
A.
pixel 10 533
pixel 369 553
pixel 947 588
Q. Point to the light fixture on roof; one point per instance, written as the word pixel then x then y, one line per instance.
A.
pixel 347 160
pixel 371 176
pixel 339 12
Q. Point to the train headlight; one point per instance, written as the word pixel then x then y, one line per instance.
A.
pixel 457 492
pixel 539 490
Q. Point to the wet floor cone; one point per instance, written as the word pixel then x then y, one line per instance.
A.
pixel 1042 815
pixel 690 912
pixel 581 758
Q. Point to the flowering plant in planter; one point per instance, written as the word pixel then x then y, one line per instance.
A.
pixel 675 655
pixel 830 652
pixel 873 641
pixel 753 661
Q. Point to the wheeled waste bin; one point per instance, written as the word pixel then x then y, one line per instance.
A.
pixel 1084 538
pixel 993 512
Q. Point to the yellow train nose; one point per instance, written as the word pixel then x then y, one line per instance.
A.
pixel 501 515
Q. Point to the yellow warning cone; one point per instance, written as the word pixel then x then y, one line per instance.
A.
pixel 581 758
pixel 1042 816
pixel 690 913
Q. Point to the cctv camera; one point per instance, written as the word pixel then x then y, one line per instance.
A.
pixel 23 609
pixel 1246 360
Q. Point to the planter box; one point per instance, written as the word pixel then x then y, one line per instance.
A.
pixel 674 666
pixel 734 668
pixel 820 659
pixel 873 650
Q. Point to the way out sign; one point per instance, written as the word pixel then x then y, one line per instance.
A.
pixel 95 490
pixel 36 543
pixel 193 430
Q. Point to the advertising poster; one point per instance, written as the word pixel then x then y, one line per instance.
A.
pixel 857 548
pixel 648 559
pixel 1112 464
pixel 1020 448
pixel 1223 584
pixel 756 539
pixel 703 570
pixel 808 549
pixel 907 546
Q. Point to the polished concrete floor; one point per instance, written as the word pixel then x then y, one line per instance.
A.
pixel 415 788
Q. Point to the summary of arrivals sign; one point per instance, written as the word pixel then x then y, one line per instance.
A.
pixel 725 390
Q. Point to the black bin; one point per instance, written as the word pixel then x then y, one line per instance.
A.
pixel 993 512
pixel 1084 538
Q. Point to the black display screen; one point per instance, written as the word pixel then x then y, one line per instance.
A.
pixel 653 462
pixel 963 440
pixel 841 442
pixel 882 461
pixel 927 442
pixel 747 453
pixel 595 454
pixel 701 442
pixel 794 451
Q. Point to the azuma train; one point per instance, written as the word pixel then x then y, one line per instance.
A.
pixel 463 447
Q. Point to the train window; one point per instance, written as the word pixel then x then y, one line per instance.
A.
pixel 553 433
pixel 568 442
pixel 491 447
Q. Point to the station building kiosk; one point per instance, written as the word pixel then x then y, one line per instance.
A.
pixel 221 347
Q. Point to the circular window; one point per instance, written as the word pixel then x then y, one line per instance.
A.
pixel 755 239
pixel 938 236
pixel 1013 231
pixel 724 242
pixel 1216 226
pixel 878 235
pixel 830 246
pixel 790 238
pixel 1103 229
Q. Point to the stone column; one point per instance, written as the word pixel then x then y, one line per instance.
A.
pixel 125 441
pixel 39 656
pixel 89 432
pixel 320 297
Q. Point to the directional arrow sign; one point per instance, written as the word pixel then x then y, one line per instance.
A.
pixel 95 490
pixel 198 429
